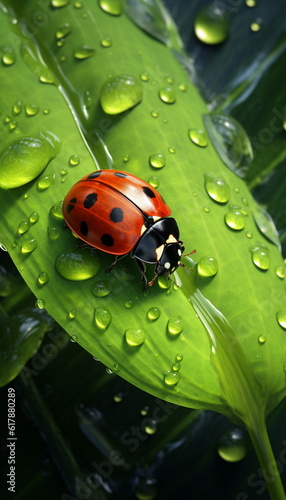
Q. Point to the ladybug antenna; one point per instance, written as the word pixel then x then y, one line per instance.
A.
pixel 153 280
pixel 187 254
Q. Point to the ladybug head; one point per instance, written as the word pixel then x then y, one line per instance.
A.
pixel 169 260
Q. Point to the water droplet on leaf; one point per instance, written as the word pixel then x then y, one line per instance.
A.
pixel 63 31
pixel 260 256
pixel 157 160
pixel 234 218
pixel 28 245
pixel 280 272
pixel 150 426
pixel 59 3
pixel 266 225
pixel 102 317
pixel 232 446
pixel 175 326
pixel 57 210
pixel 34 217
pixel 171 378
pixel 17 108
pixel 281 318
pixel 23 227
pixel 128 304
pixel 211 25
pixel 134 337
pixel 256 25
pixel 101 289
pixel 45 182
pixel 32 109
pixel 40 304
pixel 207 267
pixel 154 182
pixel 43 278
pixel 167 95
pixel 198 137
pixel 113 7
pixel 8 56
pixel 119 93
pixel 106 42
pixel 153 313
pixel 77 264
pixel 262 339
pixel 83 52
pixel 26 158
pixel 53 232
pixel 217 189
pixel 230 141
pixel 74 160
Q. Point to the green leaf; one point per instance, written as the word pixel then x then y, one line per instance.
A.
pixel 165 350
pixel 21 336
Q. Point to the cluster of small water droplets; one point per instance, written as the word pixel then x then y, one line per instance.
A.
pixel 172 377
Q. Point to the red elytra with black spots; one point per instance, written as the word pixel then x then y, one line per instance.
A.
pixel 118 213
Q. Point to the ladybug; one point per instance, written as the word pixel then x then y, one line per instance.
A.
pixel 119 213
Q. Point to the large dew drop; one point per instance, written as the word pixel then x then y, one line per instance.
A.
pixel 77 264
pixel 230 141
pixel 119 93
pixel 211 25
pixel 26 158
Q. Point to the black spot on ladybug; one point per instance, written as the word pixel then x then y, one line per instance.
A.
pixel 148 192
pixel 83 228
pixel 71 205
pixel 107 240
pixel 116 214
pixel 120 174
pixel 94 175
pixel 90 200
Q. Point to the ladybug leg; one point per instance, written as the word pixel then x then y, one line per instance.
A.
pixel 142 269
pixel 117 258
